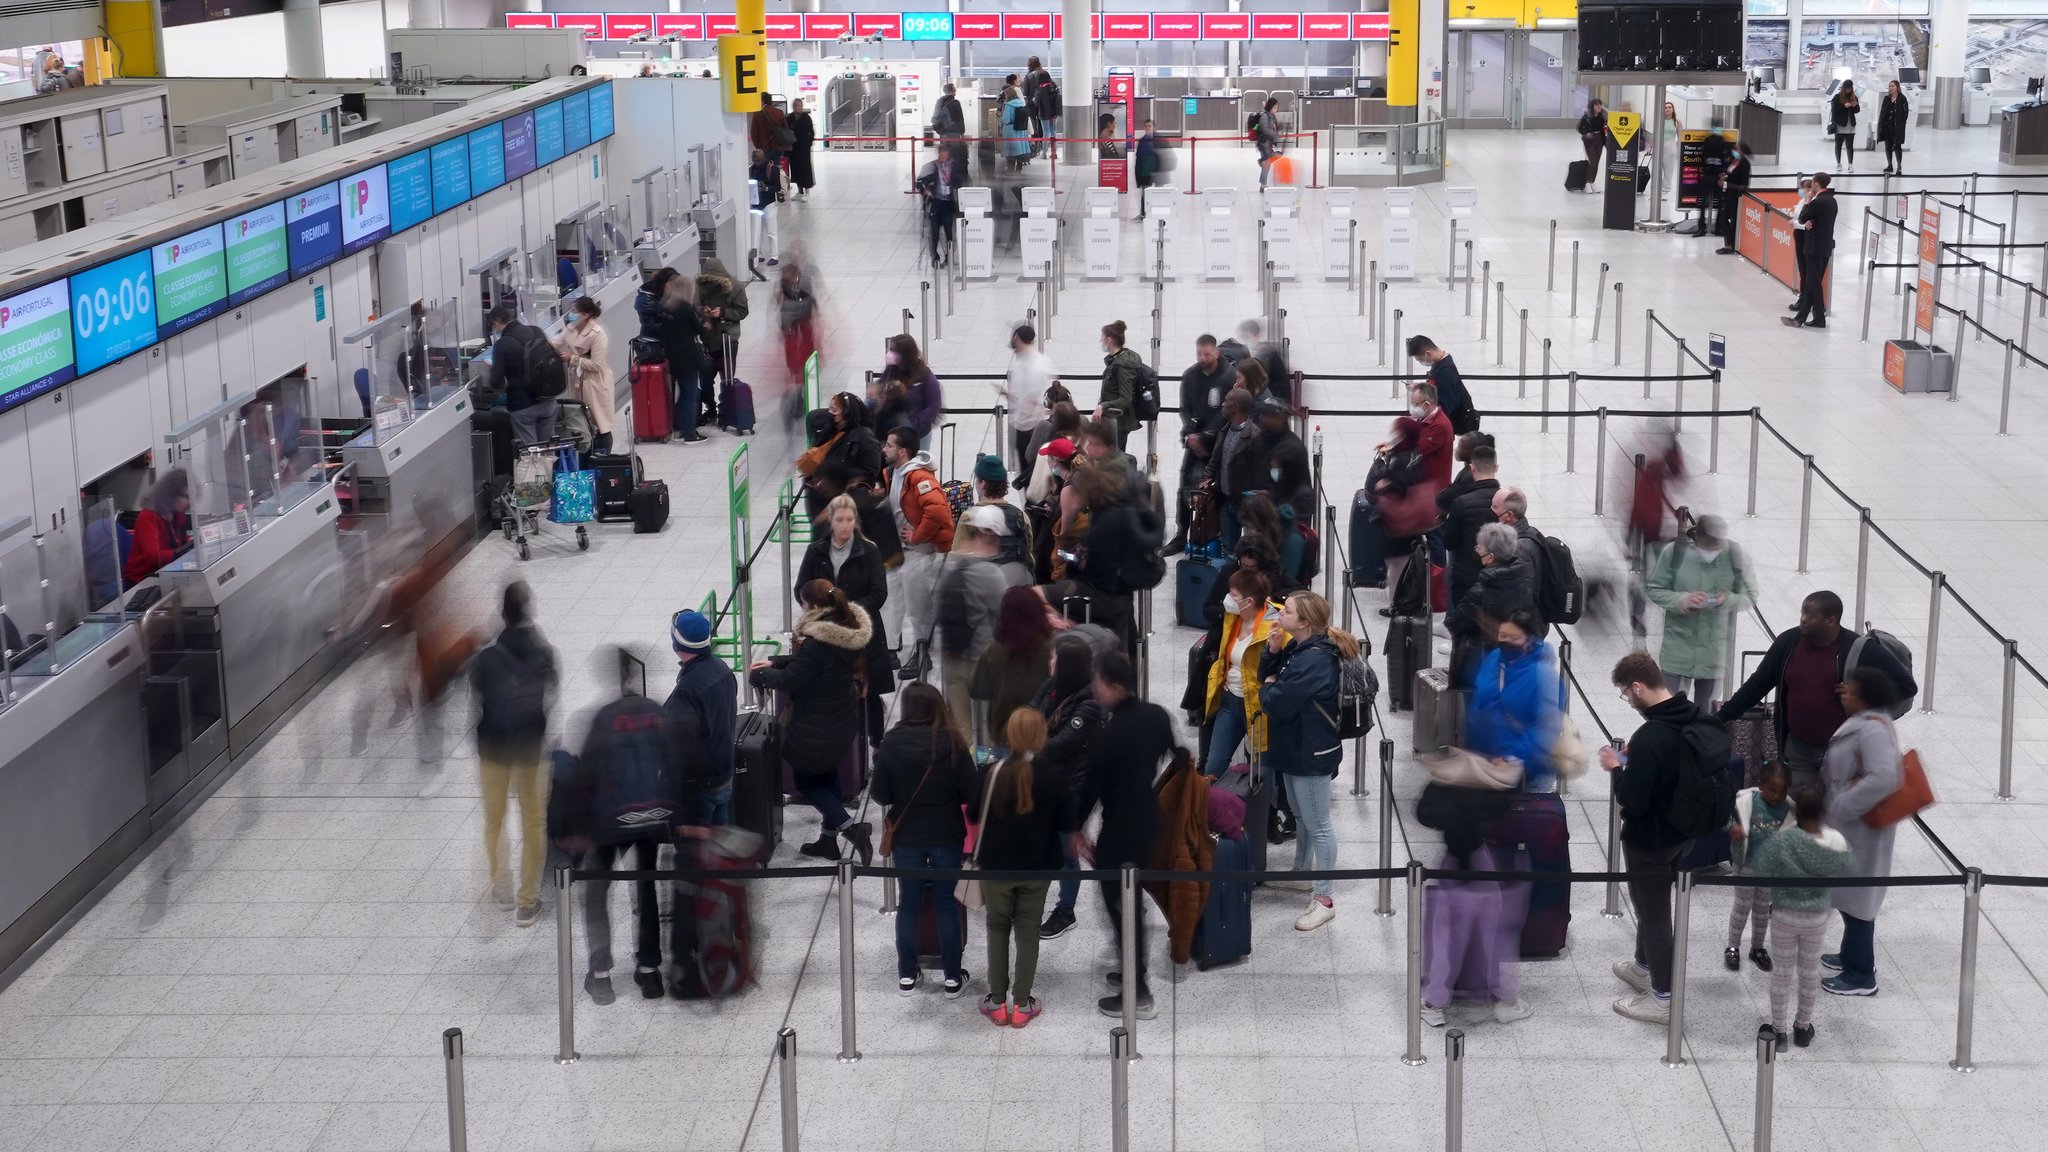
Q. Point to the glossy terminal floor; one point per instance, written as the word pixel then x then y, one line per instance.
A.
pixel 277 973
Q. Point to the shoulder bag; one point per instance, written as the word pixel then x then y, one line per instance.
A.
pixel 888 846
pixel 968 890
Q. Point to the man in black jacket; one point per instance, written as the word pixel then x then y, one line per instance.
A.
pixel 1804 665
pixel 1202 389
pixel 533 414
pixel 630 755
pixel 1451 393
pixel 1646 780
pixel 1135 740
pixel 1817 223
pixel 703 711
pixel 1467 510
pixel 514 680
pixel 1235 460
pixel 1282 470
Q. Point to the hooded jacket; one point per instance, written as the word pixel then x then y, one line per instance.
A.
pixel 704 708
pixel 1469 511
pixel 924 504
pixel 866 583
pixel 717 289
pixel 1695 642
pixel 1072 724
pixel 1120 387
pixel 1514 710
pixel 823 713
pixel 514 678
pixel 1183 845
pixel 1656 754
pixel 1300 700
pixel 1219 673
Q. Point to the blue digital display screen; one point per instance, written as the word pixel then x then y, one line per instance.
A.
pixel 412 190
pixel 451 174
pixel 547 133
pixel 575 122
pixel 927 25
pixel 312 222
pixel 601 107
pixel 486 159
pixel 519 145
pixel 113 311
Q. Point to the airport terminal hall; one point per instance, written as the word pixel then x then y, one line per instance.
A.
pixel 1044 576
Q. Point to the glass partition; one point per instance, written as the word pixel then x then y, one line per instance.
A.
pixel 105 544
pixel 1387 155
pixel 248 461
pixel 27 608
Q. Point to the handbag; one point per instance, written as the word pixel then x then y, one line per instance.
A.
pixel 1569 754
pixel 968 890
pixel 814 458
pixel 1463 768
pixel 1913 795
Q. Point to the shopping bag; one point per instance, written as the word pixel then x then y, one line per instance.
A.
pixel 575 499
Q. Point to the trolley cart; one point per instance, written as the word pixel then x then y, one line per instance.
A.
pixel 522 509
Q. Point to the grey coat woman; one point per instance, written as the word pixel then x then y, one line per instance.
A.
pixel 1860 770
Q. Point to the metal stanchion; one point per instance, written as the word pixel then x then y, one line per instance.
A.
pixel 1571 421
pixel 907 317
pixel 1381 328
pixel 849 1034
pixel 565 970
pixel 1600 465
pixel 2010 659
pixel 1869 291
pixel 924 312
pixel 1546 385
pixel 1756 427
pixel 1612 910
pixel 1599 303
pixel 1485 288
pixel 1120 1056
pixel 1454 1090
pixel 888 907
pixel 1451 261
pixel 1522 366
pixel 1500 324
pixel 1414 1056
pixel 1906 314
pixel 2005 393
pixel 1966 993
pixel 1355 274
pixel 788 518
pixel 1649 346
pixel 1714 427
pixel 1805 508
pixel 1766 1073
pixel 1617 324
pixel 1365 283
pixel 1862 561
pixel 1550 271
pixel 1399 377
pixel 1127 885
pixel 1678 391
pixel 1936 585
pixel 1385 906
pixel 1575 279
pixel 785 1059
pixel 458 1110
pixel 1955 377
pixel 1681 922
pixel 1468 280
pixel 1329 546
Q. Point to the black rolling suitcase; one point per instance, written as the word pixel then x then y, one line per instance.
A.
pixel 616 478
pixel 1224 933
pixel 647 504
pixel 1577 175
pixel 1367 551
pixel 1408 652
pixel 757 778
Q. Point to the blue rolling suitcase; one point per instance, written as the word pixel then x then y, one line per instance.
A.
pixel 1225 932
pixel 1194 577
pixel 1367 545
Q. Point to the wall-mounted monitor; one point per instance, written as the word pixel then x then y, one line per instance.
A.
pixel 412 190
pixel 35 343
pixel 451 173
pixel 575 122
pixel 547 133
pixel 191 278
pixel 601 112
pixel 257 261
pixel 113 311
pixel 486 159
pixel 1909 75
pixel 519 145
pixel 365 209
pixel 313 229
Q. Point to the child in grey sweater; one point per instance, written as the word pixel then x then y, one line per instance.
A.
pixel 1799 915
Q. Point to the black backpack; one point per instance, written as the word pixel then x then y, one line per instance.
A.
pixel 1899 652
pixel 1251 126
pixel 1047 98
pixel 1020 117
pixel 638 787
pixel 1560 594
pixel 1703 797
pixel 1145 399
pixel 1142 565
pixel 546 376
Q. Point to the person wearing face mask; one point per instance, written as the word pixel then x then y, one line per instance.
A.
pixel 1231 698
pixel 1702 585
pixel 1449 385
pixel 1661 813
pixel 1062 422
pixel 1301 676
pixel 1503 587
pixel 1073 720
pixel 1121 369
pixel 1023 393
pixel 850 452
pixel 1232 464
pixel 924 523
pixel 909 390
pixel 1283 474
pixel 1202 389
pixel 844 556
pixel 1515 713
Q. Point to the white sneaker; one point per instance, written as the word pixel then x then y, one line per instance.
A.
pixel 1647 1007
pixel 1433 1015
pixel 1318 914
pixel 1633 975
pixel 1509 1011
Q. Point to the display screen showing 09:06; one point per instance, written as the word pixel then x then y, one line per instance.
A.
pixel 113 311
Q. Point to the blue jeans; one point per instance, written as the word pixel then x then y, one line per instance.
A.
pixel 712 809
pixel 688 388
pixel 1229 528
pixel 1070 889
pixel 910 907
pixel 1859 951
pixel 1315 841
pixel 822 793
pixel 1227 730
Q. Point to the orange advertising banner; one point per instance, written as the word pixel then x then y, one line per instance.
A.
pixel 1928 294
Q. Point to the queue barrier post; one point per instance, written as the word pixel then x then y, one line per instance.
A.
pixel 785 1061
pixel 1756 427
pixel 1120 1056
pixel 1575 279
pixel 1681 924
pixel 1600 465
pixel 1127 885
pixel 1414 1057
pixel 1966 993
pixel 1937 583
pixel 849 1028
pixel 458 1109
pixel 1454 1090
pixel 2010 659
pixel 1805 507
pixel 1766 1076
pixel 1862 561
pixel 1385 905
pixel 1649 348
pixel 565 968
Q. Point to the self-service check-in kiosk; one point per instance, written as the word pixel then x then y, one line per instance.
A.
pixel 1281 226
pixel 1159 203
pixel 1038 232
pixel 1219 234
pixel 1340 232
pixel 1102 232
pixel 1462 206
pixel 1397 236
pixel 977 234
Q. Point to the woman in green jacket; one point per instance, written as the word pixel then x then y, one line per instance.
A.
pixel 1702 584
pixel 1120 367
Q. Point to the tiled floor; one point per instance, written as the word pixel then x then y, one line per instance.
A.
pixel 276 975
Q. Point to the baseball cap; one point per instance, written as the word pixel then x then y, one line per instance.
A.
pixel 1059 448
pixel 989 519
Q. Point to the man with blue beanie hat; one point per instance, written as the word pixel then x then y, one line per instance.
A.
pixel 704 714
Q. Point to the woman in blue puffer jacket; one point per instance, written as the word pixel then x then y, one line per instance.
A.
pixel 1517 702
pixel 1302 675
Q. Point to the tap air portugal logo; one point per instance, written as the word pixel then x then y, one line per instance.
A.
pixel 358 197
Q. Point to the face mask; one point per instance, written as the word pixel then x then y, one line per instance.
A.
pixel 1274 473
pixel 892 359
pixel 1232 605
pixel 1107 350
pixel 1418 411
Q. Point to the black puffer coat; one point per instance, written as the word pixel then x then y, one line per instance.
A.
pixel 823 710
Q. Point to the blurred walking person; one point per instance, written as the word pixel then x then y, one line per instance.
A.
pixel 514 679
pixel 1702 584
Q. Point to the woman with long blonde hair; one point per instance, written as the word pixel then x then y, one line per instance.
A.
pixel 1303 676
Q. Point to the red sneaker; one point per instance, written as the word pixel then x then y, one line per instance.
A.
pixel 1026 1012
pixel 995 1010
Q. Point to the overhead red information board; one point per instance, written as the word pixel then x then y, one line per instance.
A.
pixel 1276 25
pixel 1126 26
pixel 529 20
pixel 977 26
pixel 592 23
pixel 1119 26
pixel 1370 26
pixel 626 25
pixel 1176 25
pixel 827 25
pixel 1226 26
pixel 1024 25
pixel 785 26
pixel 681 25
pixel 887 25
pixel 718 24
pixel 1326 25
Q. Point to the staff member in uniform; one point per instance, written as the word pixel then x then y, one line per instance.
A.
pixel 1817 221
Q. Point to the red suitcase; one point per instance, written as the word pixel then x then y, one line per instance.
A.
pixel 652 415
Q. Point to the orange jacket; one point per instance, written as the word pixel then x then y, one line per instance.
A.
pixel 924 507
pixel 1183 845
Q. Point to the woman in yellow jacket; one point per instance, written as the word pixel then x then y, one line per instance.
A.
pixel 1234 674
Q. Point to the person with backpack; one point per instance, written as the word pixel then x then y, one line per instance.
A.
pixel 1120 554
pixel 925 779
pixel 992 490
pixel 514 679
pixel 1504 588
pixel 1123 376
pixel 626 797
pixel 1674 785
pixel 1014 128
pixel 967 598
pixel 924 525
pixel 530 371
pixel 702 710
pixel 673 330
pixel 1862 768
pixel 909 389
pixel 1072 720
pixel 1702 584
pixel 1516 710
pixel 1202 388
pixel 1047 106
pixel 1012 668
pixel 1804 666
pixel 1449 385
pixel 949 121
pixel 1264 131
pixel 1469 509
pixel 823 679
pixel 1028 814
pixel 1301 678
